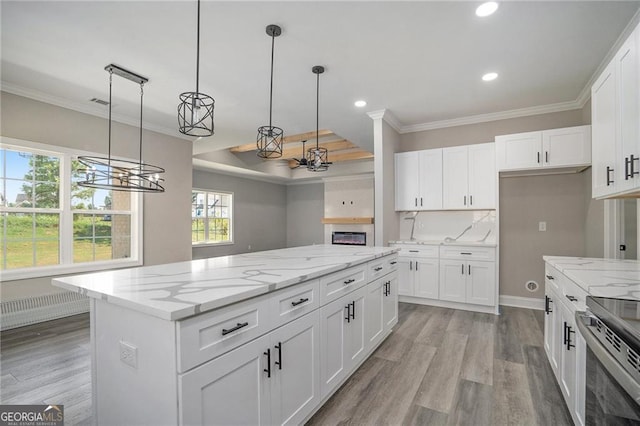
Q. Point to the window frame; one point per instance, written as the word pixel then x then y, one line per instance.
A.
pixel 66 265
pixel 231 220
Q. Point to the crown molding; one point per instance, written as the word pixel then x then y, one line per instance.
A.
pixel 86 109
pixel 494 116
pixel 388 117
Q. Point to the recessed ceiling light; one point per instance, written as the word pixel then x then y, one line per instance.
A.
pixel 360 103
pixel 490 76
pixel 486 9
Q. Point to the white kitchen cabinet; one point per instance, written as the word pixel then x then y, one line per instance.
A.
pixel 550 321
pixel 567 370
pixel 418 271
pixel 468 281
pixel 374 321
pixel 469 177
pixel 390 301
pixel 615 117
pixel 546 149
pixel 418 180
pixel 271 380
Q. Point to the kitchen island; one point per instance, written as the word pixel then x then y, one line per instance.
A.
pixel 257 338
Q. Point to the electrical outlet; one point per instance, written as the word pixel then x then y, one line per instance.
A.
pixel 542 226
pixel 129 354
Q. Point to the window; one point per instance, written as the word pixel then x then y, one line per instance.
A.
pixel 51 225
pixel 211 217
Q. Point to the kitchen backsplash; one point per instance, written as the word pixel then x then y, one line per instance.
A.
pixel 462 226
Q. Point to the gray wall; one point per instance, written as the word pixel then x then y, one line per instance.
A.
pixel 259 214
pixel 305 209
pixel 386 142
pixel 575 222
pixel 35 121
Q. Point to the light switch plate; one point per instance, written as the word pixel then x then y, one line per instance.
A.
pixel 542 226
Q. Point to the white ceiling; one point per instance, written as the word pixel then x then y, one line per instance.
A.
pixel 422 61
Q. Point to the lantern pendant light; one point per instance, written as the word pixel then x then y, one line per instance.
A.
pixel 195 112
pixel 116 174
pixel 270 138
pixel 318 157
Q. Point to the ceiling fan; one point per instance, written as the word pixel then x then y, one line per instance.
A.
pixel 303 160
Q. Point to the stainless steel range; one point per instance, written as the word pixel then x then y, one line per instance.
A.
pixel 611 329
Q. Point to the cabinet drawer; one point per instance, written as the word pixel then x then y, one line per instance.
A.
pixel 342 282
pixel 380 267
pixel 572 295
pixel 552 277
pixel 294 302
pixel 467 252
pixel 419 251
pixel 209 335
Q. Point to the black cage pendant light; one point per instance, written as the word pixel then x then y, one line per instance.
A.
pixel 121 175
pixel 270 138
pixel 195 112
pixel 318 157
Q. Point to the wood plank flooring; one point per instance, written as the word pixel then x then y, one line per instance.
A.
pixel 446 367
pixel 439 367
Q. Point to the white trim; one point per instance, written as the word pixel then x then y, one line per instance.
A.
pixel 450 305
pixel 388 117
pixel 209 243
pixel 87 109
pixel 347 178
pixel 522 302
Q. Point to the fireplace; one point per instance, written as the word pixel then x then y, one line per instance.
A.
pixel 349 238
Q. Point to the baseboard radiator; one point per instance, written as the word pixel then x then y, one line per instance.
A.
pixel 21 312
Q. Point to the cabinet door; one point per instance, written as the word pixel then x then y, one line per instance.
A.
pixel 481 283
pixel 390 303
pixel 581 383
pixel 407 165
pixel 295 384
pixel 430 177
pixel 628 76
pixel 405 276
pixel 551 328
pixel 482 176
pixel 355 342
pixel 566 147
pixel 568 358
pixel 426 278
pixel 230 390
pixel 455 176
pixel 452 280
pixel 333 326
pixel 373 321
pixel 605 174
pixel 519 151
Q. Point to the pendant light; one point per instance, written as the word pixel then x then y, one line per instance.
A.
pixel 121 175
pixel 195 112
pixel 269 140
pixel 318 157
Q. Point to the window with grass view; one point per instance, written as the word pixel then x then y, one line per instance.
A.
pixel 49 220
pixel 211 217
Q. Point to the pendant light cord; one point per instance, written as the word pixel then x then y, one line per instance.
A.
pixel 317 110
pixel 273 38
pixel 110 105
pixel 141 95
pixel 198 54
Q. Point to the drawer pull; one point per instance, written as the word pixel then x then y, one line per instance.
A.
pixel 306 299
pixel 572 298
pixel 349 281
pixel 236 328
pixel 393 263
pixel 378 269
pixel 550 277
pixel 413 251
pixel 466 253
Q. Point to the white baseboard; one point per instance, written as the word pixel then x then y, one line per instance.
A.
pixel 522 302
pixel 450 305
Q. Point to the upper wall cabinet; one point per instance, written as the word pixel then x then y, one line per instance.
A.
pixel 546 150
pixel 419 180
pixel 469 177
pixel 615 117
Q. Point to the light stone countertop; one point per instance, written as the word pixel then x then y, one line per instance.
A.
pixel 444 243
pixel 601 277
pixel 178 290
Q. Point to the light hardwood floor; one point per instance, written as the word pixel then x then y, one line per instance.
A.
pixel 439 366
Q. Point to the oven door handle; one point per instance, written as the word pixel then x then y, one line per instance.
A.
pixel 628 383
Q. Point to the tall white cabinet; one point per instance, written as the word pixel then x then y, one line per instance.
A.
pixel 419 180
pixel 469 177
pixel 615 117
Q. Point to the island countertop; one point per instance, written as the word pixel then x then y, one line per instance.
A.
pixel 601 277
pixel 179 290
